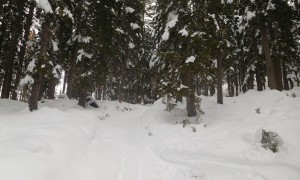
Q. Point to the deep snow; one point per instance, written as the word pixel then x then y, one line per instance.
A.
pixel 62 141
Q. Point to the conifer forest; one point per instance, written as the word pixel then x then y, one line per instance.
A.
pixel 137 51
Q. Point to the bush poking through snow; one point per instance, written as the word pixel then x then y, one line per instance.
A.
pixel 90 101
pixel 257 110
pixel 194 129
pixel 199 110
pixel 168 101
pixel 185 122
pixel 294 95
pixel 270 140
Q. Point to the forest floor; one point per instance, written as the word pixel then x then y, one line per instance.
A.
pixel 62 141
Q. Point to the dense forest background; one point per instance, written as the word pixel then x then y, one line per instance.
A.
pixel 140 50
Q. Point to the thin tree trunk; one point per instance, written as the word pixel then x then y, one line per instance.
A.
pixel 269 62
pixel 284 76
pixel 219 76
pixel 22 50
pixel 73 57
pixel 258 76
pixel 236 81
pixel 64 83
pixel 212 89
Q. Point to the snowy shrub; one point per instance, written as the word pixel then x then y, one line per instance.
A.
pixel 194 129
pixel 169 102
pixel 257 110
pixel 103 117
pixel 90 101
pixel 185 122
pixel 293 95
pixel 270 140
pixel 199 111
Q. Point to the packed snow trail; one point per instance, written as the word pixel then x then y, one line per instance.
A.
pixel 120 141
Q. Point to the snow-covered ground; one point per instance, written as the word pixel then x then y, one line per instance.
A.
pixel 62 141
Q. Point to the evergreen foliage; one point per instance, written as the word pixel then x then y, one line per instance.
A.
pixel 139 51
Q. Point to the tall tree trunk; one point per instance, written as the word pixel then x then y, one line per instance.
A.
pixel 45 41
pixel 268 60
pixel 219 76
pixel 73 58
pixel 190 102
pixel 22 50
pixel 284 76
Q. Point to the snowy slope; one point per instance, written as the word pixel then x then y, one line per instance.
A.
pixel 62 141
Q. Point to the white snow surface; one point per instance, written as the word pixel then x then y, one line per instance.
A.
pixel 129 10
pixel 171 22
pixel 190 59
pixel 62 141
pixel 45 5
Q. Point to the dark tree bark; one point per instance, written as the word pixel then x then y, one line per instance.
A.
pixel 284 76
pixel 45 41
pixel 212 89
pixel 190 102
pixel 268 60
pixel 219 76
pixel 22 50
pixel 258 75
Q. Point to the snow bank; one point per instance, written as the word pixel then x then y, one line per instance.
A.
pixel 123 141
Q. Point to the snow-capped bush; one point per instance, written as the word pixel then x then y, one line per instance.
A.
pixel 90 101
pixel 270 140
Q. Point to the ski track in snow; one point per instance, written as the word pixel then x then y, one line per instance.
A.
pixel 133 142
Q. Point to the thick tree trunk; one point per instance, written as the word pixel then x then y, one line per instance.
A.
pixel 45 41
pixel 82 99
pixel 258 75
pixel 190 102
pixel 278 74
pixel 284 76
pixel 219 76
pixel 269 62
pixel 22 50
pixel 35 92
pixel 51 89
